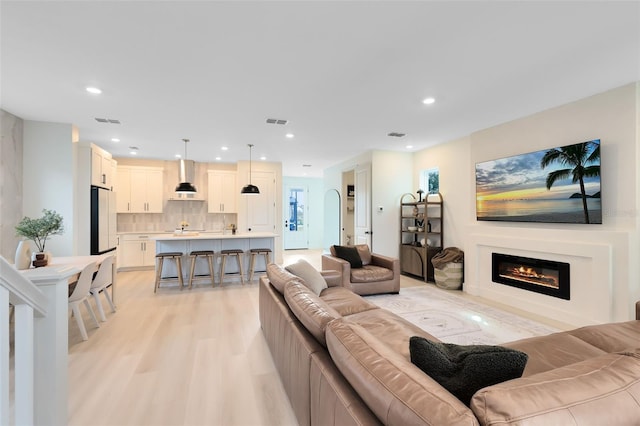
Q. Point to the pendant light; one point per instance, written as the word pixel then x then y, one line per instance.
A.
pixel 250 189
pixel 185 187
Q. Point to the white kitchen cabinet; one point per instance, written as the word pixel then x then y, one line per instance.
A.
pixel 136 250
pixel 123 190
pixel 102 166
pixel 222 194
pixel 139 190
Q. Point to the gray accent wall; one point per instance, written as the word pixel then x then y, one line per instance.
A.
pixel 11 147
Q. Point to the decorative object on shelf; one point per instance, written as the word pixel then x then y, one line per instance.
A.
pixel 233 228
pixel 185 187
pixel 428 226
pixel 419 192
pixel 23 255
pixel 38 230
pixel 184 224
pixel 416 211
pixel 250 189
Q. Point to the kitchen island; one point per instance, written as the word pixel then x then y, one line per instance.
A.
pixel 187 242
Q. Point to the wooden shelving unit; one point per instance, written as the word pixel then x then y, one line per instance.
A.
pixel 421 234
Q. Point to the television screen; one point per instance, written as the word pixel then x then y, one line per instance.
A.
pixel 556 185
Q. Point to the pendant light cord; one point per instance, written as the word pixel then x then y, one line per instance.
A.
pixel 250 146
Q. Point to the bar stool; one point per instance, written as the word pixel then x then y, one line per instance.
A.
pixel 238 255
pixel 252 263
pixel 208 254
pixel 176 256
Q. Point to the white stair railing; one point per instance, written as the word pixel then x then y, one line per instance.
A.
pixel 40 297
pixel 28 302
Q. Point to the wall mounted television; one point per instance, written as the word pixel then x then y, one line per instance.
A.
pixel 556 185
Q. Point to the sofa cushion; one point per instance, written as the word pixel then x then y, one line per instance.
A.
pixel 365 253
pixel 371 273
pixel 463 370
pixel 393 388
pixel 346 302
pixel 553 351
pixel 310 310
pixel 278 276
pixel 614 337
pixel 604 390
pixel 311 277
pixel 389 328
pixel 350 254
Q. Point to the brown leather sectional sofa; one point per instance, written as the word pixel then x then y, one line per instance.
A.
pixel 344 361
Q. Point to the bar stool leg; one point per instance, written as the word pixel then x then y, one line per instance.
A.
pixel 158 274
pixel 252 265
pixel 239 259
pixel 222 265
pixel 210 260
pixel 193 267
pixel 179 267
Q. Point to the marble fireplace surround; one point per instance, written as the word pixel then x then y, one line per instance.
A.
pixel 591 276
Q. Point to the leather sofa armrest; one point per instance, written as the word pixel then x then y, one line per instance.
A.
pixel 340 265
pixel 332 277
pixel 386 262
pixel 638 310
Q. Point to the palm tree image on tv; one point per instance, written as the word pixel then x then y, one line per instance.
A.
pixel 555 185
pixel 580 158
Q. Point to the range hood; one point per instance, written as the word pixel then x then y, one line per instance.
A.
pixel 187 175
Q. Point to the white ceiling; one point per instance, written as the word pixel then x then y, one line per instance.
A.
pixel 344 74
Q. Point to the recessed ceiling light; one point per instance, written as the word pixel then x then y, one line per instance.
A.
pixel 428 101
pixel 290 135
pixel 94 90
pixel 263 158
pixel 133 152
pixel 115 140
pixel 178 156
pixel 224 148
pixel 218 158
pixel 409 146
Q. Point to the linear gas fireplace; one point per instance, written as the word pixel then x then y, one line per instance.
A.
pixel 542 276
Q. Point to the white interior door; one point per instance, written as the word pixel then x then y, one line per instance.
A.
pixel 362 205
pixel 261 208
pixel 296 208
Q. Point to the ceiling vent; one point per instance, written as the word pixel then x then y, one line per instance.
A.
pixel 276 121
pixel 397 135
pixel 107 120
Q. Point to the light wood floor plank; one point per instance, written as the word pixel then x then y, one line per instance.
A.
pixel 185 357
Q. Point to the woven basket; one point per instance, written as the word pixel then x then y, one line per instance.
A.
pixel 450 277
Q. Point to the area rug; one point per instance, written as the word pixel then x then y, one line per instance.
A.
pixel 454 319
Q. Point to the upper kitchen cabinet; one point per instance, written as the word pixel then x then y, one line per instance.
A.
pixel 222 194
pixel 139 189
pixel 102 167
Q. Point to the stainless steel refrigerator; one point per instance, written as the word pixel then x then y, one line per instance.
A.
pixel 103 220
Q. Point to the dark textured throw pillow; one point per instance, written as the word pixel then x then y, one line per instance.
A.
pixel 463 370
pixel 350 254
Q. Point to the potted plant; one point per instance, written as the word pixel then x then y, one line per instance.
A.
pixel 38 230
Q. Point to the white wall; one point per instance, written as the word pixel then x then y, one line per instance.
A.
pixel 392 175
pixel 452 160
pixel 49 178
pixel 604 271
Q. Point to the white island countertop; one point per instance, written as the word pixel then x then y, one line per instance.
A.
pixel 212 236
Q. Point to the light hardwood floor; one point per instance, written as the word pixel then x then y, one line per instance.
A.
pixel 193 357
